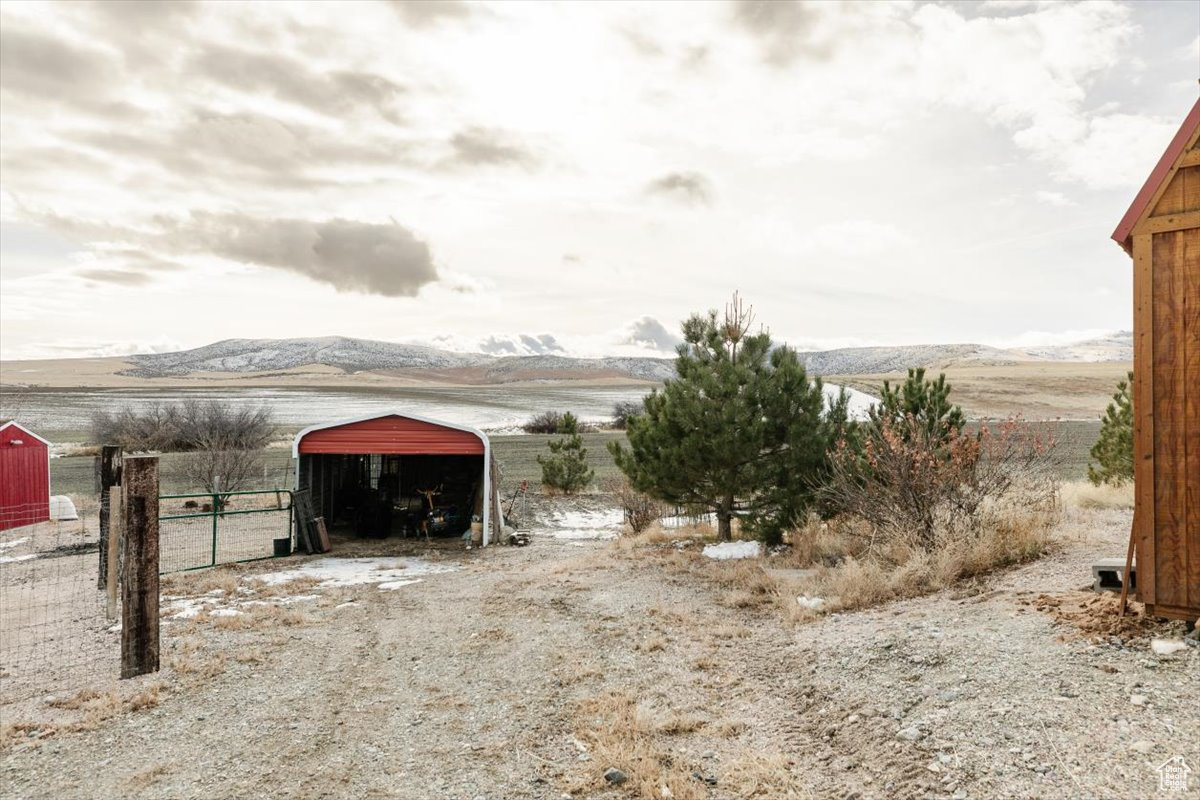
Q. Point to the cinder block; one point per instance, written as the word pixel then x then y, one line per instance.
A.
pixel 1108 575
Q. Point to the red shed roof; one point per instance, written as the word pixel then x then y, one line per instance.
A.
pixel 5 424
pixel 391 434
pixel 1123 234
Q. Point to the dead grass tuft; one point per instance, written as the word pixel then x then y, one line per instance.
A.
pixel 147 777
pixel 1082 494
pixel 618 733
pixel 194 584
pixel 755 774
pixel 656 536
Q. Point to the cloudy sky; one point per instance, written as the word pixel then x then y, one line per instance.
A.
pixel 537 177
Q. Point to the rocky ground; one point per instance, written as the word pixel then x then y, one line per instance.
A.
pixel 529 672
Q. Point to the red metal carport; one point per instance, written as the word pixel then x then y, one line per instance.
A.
pixel 327 455
pixel 24 476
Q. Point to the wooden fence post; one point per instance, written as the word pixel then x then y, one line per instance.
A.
pixel 109 475
pixel 112 558
pixel 139 596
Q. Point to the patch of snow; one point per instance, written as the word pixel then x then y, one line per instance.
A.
pixel 815 603
pixel 603 524
pixel 1164 647
pixel 11 559
pixel 13 543
pixel 226 612
pixel 729 550
pixel 188 607
pixel 384 587
pixel 356 571
pixel 347 604
pixel 297 598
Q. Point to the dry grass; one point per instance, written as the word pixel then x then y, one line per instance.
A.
pixel 755 774
pixel 92 709
pixel 196 663
pixel 619 733
pixel 657 536
pixel 903 571
pixel 195 584
pixel 1082 494
pixel 147 777
pixel 259 617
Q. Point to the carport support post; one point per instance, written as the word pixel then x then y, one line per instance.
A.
pixel 109 470
pixel 139 598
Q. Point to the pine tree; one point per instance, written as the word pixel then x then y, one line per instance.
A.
pixel 928 402
pixel 1113 451
pixel 566 469
pixel 740 432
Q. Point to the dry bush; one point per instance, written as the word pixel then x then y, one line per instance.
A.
pixel 655 535
pixel 545 422
pixel 1082 494
pixel 924 488
pixel 641 510
pixel 619 733
pixel 821 541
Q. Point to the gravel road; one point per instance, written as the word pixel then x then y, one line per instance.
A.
pixel 474 683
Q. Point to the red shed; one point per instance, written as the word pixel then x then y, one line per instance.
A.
pixel 398 473
pixel 24 476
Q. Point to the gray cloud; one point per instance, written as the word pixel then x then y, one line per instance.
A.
pixel 648 332
pixel 786 29
pixel 249 148
pixel 386 260
pixel 524 344
pixel 477 146
pixel 334 93
pixel 121 277
pixel 423 13
pixel 692 188
pixel 42 68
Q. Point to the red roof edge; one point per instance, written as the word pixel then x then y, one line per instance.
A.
pixel 1122 235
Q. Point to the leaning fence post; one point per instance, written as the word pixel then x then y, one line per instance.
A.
pixel 139 598
pixel 108 475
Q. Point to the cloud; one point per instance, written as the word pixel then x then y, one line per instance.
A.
pixel 120 277
pixel 786 29
pixel 386 260
pixel 424 13
pixel 478 146
pixel 48 69
pixel 651 334
pixel 334 93
pixel 522 344
pixel 1056 199
pixel 691 188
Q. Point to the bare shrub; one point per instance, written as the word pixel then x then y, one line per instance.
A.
pixel 641 510
pixel 920 488
pixel 185 426
pixel 545 422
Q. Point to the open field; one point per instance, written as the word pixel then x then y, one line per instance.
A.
pixel 517 455
pixel 527 672
pixel 1036 390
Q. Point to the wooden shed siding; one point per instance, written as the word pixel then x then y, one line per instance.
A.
pixel 24 478
pixel 1143 407
pixel 1170 424
pixel 1189 241
pixel 392 435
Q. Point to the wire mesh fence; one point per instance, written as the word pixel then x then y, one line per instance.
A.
pixel 55 634
pixel 203 530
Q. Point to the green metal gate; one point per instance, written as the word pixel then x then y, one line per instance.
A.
pixel 222 528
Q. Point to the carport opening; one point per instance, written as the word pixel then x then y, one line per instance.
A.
pixel 376 496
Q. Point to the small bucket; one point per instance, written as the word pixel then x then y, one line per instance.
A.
pixel 283 547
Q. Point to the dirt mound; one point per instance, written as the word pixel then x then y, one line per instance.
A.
pixel 1096 616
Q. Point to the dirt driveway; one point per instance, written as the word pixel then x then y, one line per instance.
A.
pixel 527 672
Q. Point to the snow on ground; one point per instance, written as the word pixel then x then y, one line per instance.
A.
pixel 13 543
pixel 728 550
pixel 11 559
pixel 859 402
pixel 602 524
pixel 356 571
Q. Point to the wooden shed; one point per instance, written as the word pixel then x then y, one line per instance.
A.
pixel 399 473
pixel 24 476
pixel 1161 231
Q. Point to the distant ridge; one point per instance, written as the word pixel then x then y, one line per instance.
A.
pixel 248 356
